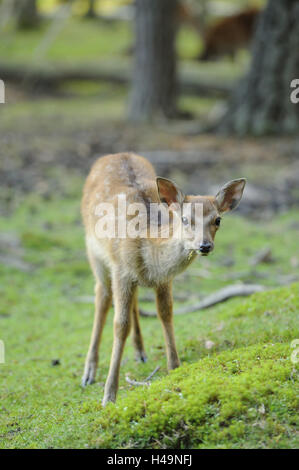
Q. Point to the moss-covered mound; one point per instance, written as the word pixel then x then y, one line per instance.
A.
pixel 243 398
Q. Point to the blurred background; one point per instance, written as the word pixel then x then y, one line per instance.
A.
pixel 204 89
pixel 180 81
pixel 200 87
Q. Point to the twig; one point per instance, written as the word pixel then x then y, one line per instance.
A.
pixel 15 262
pixel 6 13
pixel 235 290
pixel 152 374
pixel 62 16
pixel 85 299
pixel 146 381
pixel 215 298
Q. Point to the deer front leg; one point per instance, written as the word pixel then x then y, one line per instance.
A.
pixel 123 294
pixel 164 307
pixel 103 297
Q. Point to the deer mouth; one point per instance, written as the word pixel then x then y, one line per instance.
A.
pixel 200 253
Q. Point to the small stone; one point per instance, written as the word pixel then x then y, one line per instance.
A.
pixel 55 362
pixel 209 344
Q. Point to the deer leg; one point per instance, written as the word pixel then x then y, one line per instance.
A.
pixel 103 297
pixel 164 307
pixel 123 295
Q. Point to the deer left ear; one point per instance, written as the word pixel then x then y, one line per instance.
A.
pixel 230 195
pixel 169 192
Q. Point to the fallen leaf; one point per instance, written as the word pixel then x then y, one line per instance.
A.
pixel 261 409
pixel 209 344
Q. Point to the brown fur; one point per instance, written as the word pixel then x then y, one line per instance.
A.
pixel 185 15
pixel 121 264
pixel 229 34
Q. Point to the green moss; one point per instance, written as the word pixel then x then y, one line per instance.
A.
pixel 222 401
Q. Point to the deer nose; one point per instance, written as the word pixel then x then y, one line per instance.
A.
pixel 205 247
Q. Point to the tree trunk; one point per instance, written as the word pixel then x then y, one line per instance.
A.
pixel 153 91
pixel 91 12
pixel 25 13
pixel 261 103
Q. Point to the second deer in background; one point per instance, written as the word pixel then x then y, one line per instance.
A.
pixel 229 34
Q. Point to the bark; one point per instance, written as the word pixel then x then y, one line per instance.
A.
pixel 25 13
pixel 91 13
pixel 154 79
pixel 261 103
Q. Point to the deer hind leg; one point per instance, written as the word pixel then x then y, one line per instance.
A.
pixel 137 336
pixel 103 299
pixel 164 306
pixel 123 296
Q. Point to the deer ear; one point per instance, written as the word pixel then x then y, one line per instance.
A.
pixel 169 192
pixel 230 195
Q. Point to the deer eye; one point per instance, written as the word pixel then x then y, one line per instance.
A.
pixel 217 221
pixel 185 220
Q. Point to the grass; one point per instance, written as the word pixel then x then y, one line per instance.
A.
pixel 102 46
pixel 74 43
pixel 40 320
pixel 96 43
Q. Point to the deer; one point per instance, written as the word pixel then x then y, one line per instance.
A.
pixel 120 263
pixel 229 34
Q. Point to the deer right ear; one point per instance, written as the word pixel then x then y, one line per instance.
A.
pixel 230 195
pixel 169 192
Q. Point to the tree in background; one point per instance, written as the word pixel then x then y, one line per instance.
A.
pixel 261 103
pixel 25 13
pixel 154 77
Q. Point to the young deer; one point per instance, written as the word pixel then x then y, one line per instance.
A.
pixel 122 263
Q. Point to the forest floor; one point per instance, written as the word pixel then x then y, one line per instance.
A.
pixel 242 344
pixel 46 153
